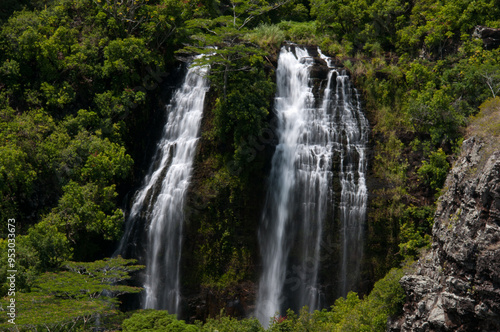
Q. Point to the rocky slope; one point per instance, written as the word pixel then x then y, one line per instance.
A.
pixel 456 285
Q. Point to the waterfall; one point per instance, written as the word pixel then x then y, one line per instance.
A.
pixel 314 129
pixel 157 210
pixel 351 141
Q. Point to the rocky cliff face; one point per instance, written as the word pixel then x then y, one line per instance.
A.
pixel 490 36
pixel 456 285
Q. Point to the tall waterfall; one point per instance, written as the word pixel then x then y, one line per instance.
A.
pixel 159 203
pixel 314 130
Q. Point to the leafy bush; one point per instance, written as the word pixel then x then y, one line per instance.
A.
pixel 434 171
pixel 350 313
pixel 229 324
pixel 415 229
pixel 155 321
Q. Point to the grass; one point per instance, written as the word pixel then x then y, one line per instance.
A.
pixel 267 36
pixel 486 124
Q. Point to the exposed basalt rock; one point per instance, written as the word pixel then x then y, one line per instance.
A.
pixel 490 36
pixel 456 286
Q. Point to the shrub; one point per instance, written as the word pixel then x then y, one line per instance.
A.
pixel 156 320
pixel 434 171
pixel 267 36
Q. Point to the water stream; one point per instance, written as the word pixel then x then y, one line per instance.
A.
pixel 159 204
pixel 322 134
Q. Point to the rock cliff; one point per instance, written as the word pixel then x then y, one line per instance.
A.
pixel 490 36
pixel 456 285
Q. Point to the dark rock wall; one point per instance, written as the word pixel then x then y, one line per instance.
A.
pixel 456 286
pixel 490 36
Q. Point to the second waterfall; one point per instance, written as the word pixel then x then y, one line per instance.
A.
pixel 316 185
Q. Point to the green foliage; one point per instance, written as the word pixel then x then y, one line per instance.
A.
pixel 122 57
pixel 241 116
pixel 86 214
pixel 158 320
pixel 27 261
pixel 95 280
pixel 9 6
pixel 229 324
pixel 221 39
pixel 73 299
pixel 350 313
pixel 42 312
pixel 267 36
pixel 435 27
pixel 390 164
pixel 412 241
pixel 52 62
pixel 300 32
pixel 434 171
pixel 478 73
pixel 415 229
pixel 341 17
pixel 434 111
pixel 297 11
pixel 223 259
pixel 153 320
pixel 68 114
pixel 16 176
pixel 365 24
pixel 50 247
pixel 384 301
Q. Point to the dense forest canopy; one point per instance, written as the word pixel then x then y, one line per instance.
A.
pixel 80 81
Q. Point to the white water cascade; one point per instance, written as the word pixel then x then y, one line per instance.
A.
pixel 160 202
pixel 312 133
pixel 352 139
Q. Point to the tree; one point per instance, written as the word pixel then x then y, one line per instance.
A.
pixel 490 75
pixel 241 117
pixel 341 17
pixel 437 112
pixel 122 60
pixel 86 215
pixel 221 38
pixel 434 171
pixel 97 280
pixel 74 298
pixel 156 321
pixel 129 14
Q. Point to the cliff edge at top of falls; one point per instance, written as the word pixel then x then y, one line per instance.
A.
pixel 456 285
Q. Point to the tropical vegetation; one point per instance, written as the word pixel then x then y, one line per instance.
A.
pixel 81 84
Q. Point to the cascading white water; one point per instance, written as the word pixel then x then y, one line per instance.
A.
pixel 300 183
pixel 160 201
pixel 352 129
pixel 298 186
